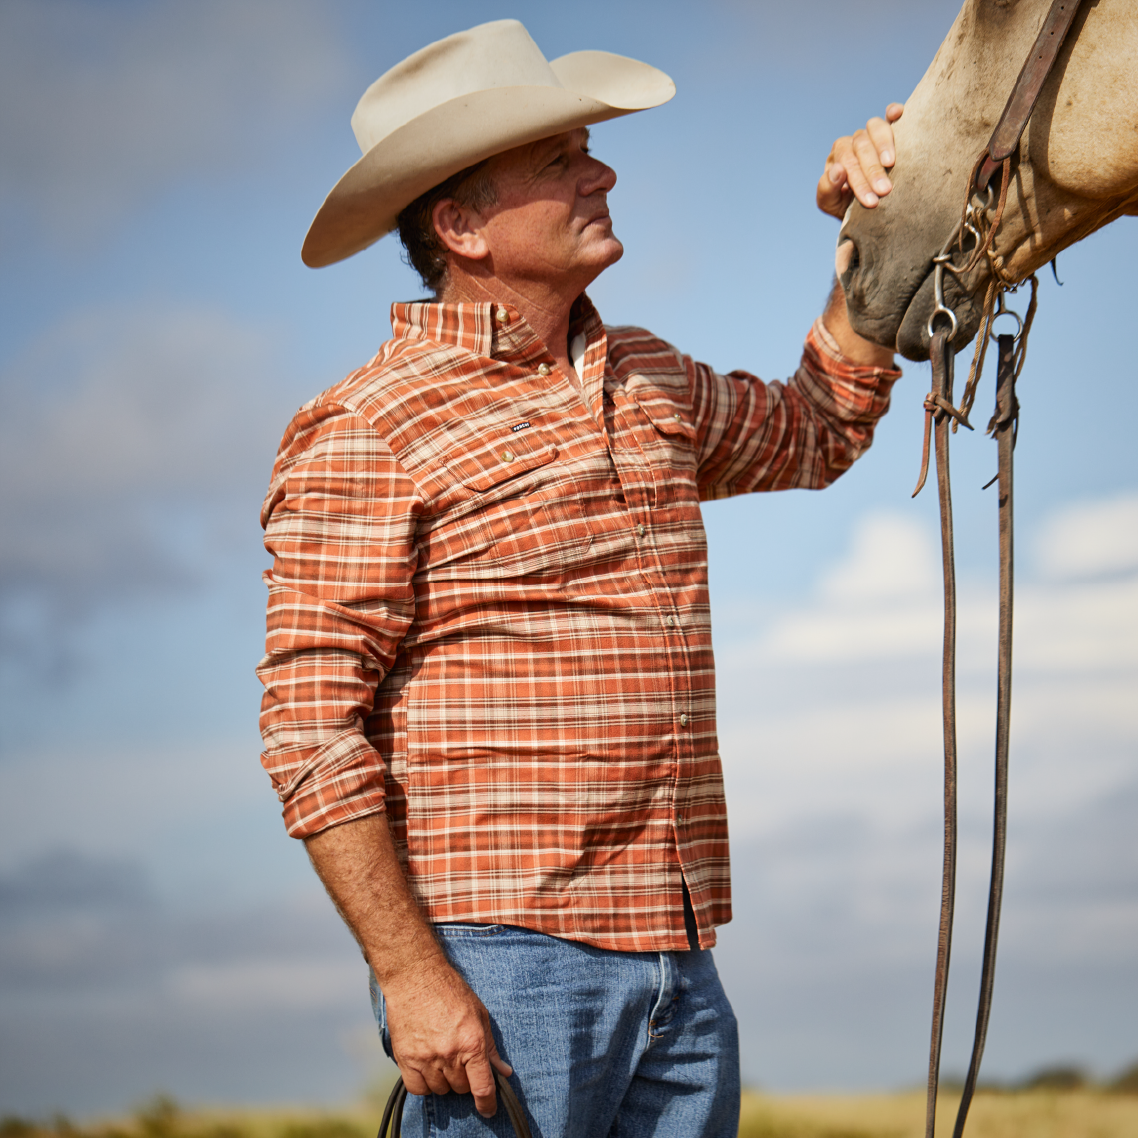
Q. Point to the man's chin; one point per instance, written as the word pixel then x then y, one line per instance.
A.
pixel 609 251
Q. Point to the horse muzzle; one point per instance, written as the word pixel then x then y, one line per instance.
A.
pixel 889 287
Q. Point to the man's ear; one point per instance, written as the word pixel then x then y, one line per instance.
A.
pixel 460 229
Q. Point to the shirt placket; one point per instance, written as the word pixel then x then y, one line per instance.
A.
pixel 638 485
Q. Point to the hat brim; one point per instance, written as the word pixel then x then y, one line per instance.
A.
pixel 365 203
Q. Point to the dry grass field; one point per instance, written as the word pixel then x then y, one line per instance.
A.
pixel 1019 1114
pixel 1040 1113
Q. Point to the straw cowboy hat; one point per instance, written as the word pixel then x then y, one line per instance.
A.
pixel 456 102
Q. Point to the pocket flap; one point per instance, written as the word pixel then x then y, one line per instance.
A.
pixel 672 423
pixel 484 468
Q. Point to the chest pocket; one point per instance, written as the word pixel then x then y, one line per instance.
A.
pixel 668 440
pixel 516 512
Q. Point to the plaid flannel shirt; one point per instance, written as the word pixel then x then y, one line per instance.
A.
pixel 488 610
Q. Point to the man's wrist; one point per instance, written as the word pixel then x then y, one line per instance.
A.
pixel 855 348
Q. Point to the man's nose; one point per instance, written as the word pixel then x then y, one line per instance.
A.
pixel 598 177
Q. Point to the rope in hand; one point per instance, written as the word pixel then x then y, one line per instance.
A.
pixel 392 1124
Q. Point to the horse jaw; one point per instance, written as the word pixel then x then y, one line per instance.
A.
pixel 1057 196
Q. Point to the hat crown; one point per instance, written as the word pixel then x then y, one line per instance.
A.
pixel 497 54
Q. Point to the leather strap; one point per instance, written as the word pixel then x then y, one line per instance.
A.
pixel 1021 102
pixel 1004 428
pixel 392 1124
pixel 942 358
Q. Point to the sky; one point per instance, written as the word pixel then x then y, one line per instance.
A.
pixel 159 931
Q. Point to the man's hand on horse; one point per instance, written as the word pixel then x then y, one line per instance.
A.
pixel 858 165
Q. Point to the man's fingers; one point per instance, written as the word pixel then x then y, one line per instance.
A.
pixel 413 1081
pixel 881 135
pixel 480 1079
pixel 867 176
pixel 833 189
pixel 858 165
pixel 498 1061
pixel 862 168
pixel 437 1080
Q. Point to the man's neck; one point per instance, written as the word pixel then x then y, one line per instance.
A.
pixel 547 312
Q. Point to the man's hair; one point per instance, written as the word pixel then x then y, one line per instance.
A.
pixel 423 250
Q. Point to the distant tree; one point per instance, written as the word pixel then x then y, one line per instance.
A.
pixel 1127 1082
pixel 1056 1078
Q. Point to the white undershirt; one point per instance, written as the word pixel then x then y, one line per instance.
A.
pixel 577 356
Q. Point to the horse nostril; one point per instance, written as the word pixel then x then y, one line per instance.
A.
pixel 846 261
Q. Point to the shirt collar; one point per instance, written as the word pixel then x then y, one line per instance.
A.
pixel 490 329
pixel 498 331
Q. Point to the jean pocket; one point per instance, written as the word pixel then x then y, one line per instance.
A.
pixel 459 930
pixel 379 1010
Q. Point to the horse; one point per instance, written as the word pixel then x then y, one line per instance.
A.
pixel 994 176
pixel 1076 168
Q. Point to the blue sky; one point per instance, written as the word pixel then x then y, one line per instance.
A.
pixel 161 163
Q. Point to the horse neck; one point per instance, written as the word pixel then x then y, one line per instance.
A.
pixel 1077 167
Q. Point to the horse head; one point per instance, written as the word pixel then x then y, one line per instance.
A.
pixel 1075 170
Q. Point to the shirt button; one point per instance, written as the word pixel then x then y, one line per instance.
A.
pixel 671 622
pixel 507 456
pixel 502 316
pixel 683 723
pixel 680 819
pixel 544 369
pixel 677 418
pixel 640 531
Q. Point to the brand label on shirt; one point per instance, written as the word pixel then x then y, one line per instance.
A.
pixel 519 427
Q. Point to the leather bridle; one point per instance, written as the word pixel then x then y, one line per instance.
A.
pixel 980 223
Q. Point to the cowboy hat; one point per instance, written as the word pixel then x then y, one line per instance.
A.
pixel 455 103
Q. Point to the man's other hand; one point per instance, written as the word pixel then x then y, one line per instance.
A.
pixel 440 1030
pixel 857 166
pixel 440 1034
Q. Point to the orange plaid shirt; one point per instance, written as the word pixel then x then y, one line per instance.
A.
pixel 488 610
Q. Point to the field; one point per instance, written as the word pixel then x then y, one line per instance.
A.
pixel 1020 1114
pixel 1040 1113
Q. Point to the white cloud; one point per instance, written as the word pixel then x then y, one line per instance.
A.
pixel 890 559
pixel 1090 538
pixel 102 104
pixel 831 717
pixel 882 600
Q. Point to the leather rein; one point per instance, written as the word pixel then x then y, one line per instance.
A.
pixel 981 217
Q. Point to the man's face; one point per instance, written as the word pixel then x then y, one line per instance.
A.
pixel 551 221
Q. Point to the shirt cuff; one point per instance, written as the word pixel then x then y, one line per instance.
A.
pixel 338 782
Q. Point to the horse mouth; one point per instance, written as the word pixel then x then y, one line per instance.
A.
pixel 895 312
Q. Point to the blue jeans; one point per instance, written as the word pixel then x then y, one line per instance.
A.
pixel 603 1044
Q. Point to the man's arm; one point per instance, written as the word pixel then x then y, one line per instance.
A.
pixel 340 522
pixel 440 1030
pixel 857 166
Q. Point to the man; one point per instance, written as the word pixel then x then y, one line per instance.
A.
pixel 489 703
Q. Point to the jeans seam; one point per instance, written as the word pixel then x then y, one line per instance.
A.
pixel 655 1013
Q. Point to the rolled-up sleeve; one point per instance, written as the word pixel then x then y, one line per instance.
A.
pixel 774 436
pixel 340 520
